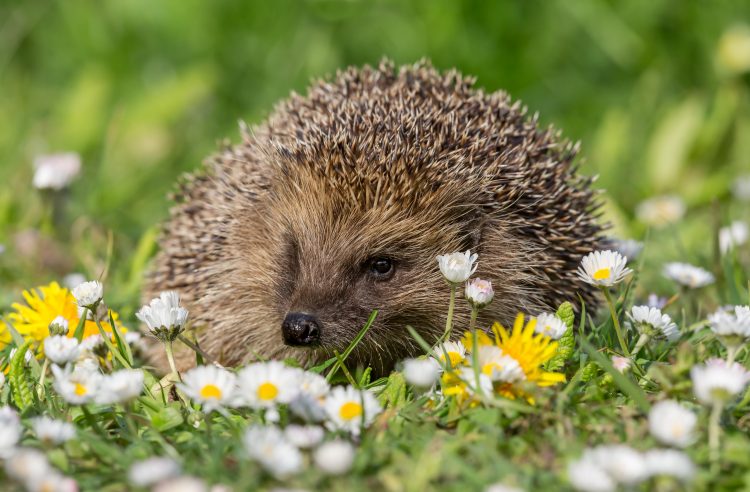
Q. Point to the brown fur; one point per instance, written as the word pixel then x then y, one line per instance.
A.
pixel 407 164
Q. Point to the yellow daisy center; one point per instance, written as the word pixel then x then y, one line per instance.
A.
pixel 267 391
pixel 210 391
pixel 488 368
pixel 80 389
pixel 602 274
pixel 350 410
pixel 453 357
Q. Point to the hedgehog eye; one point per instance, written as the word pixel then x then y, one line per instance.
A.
pixel 381 268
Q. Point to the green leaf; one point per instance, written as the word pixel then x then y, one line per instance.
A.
pixel 626 385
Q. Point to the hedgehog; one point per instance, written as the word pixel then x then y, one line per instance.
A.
pixel 338 204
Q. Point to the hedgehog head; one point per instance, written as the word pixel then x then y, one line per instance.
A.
pixel 338 204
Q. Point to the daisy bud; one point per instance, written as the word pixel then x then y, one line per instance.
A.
pixel 622 364
pixel 89 294
pixel 164 316
pixel 671 423
pixel 334 457
pixel 457 267
pixel 603 268
pixel 60 349
pixel 59 326
pixel 422 373
pixel 479 292
pixel 56 171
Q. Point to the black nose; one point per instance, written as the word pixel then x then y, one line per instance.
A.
pixel 300 329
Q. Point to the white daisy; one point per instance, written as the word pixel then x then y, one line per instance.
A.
pixel 470 382
pixel 623 463
pixel 51 431
pixel 587 476
pixel 733 235
pixel 76 386
pixel 498 366
pixel 652 322
pixel 211 386
pixel 56 171
pixel 479 292
pixel 501 487
pixel 120 386
pixel 670 463
pixel 452 353
pixel 10 431
pixel 267 446
pixel 334 457
pixel 153 470
pixel 688 275
pixel 550 325
pixel 304 436
pixel 603 268
pixel 672 424
pixel 717 381
pixel 25 463
pixel 422 372
pixel 89 294
pixel 457 267
pixel 629 248
pixel 660 211
pixel 350 409
pixel 164 316
pixel 732 325
pixel 185 483
pixel 61 349
pixel 741 188
pixel 52 481
pixel 267 384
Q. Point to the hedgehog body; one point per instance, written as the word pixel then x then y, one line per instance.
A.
pixel 338 204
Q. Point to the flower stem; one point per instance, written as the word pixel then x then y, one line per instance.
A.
pixel 41 389
pixel 713 431
pixel 170 357
pixel 475 348
pixel 732 354
pixel 616 321
pixel 642 341
pixel 449 321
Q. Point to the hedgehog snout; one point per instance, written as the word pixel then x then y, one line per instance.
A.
pixel 301 330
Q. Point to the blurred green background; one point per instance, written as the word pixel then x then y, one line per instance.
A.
pixel 656 91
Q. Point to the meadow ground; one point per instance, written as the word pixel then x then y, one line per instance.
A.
pixel 139 93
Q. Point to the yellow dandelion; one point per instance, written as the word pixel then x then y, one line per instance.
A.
pixel 528 349
pixel 42 306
